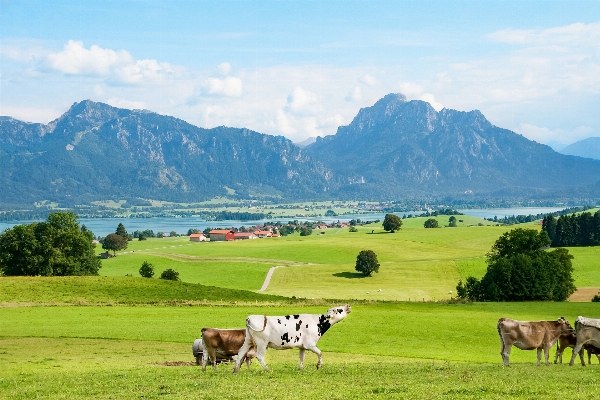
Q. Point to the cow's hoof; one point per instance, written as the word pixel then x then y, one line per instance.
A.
pixel 318 366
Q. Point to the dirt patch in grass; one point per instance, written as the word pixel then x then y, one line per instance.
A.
pixel 584 294
pixel 177 363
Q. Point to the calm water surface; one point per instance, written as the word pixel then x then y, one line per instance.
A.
pixel 104 226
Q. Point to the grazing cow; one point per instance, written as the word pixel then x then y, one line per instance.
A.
pixel 565 341
pixel 224 344
pixel 588 332
pixel 301 331
pixel 531 335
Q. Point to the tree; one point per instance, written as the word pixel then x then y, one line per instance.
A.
pixel 452 221
pixel 431 223
pixel 147 270
pixel 122 232
pixel 392 223
pixel 366 262
pixel 170 275
pixel 114 242
pixel 56 247
pixel 520 269
pixel 306 230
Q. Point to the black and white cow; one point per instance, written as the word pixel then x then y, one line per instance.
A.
pixel 301 331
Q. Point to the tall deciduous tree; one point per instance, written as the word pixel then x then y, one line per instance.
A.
pixel 521 269
pixel 56 247
pixel 392 223
pixel 366 262
pixel 114 242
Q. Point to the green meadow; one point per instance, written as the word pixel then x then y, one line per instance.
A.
pixel 120 336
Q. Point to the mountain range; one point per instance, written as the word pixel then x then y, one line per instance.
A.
pixel 589 148
pixel 393 149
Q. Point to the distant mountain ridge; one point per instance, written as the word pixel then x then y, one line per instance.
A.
pixel 400 146
pixel 589 148
pixel 393 149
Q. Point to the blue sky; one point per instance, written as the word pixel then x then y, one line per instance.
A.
pixel 302 69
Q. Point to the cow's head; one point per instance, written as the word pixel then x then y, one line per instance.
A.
pixel 565 327
pixel 336 314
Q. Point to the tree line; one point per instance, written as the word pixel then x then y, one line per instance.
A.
pixel 573 230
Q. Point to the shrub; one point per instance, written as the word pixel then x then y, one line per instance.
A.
pixel 147 270
pixel 366 262
pixel 353 229
pixel 596 299
pixel 431 223
pixel 170 275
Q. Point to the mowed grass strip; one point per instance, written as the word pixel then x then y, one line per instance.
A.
pixel 109 369
pixel 116 290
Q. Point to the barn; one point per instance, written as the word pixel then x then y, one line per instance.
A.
pixel 221 235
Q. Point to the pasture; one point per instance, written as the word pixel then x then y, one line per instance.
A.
pixel 416 263
pixel 120 336
pixel 382 350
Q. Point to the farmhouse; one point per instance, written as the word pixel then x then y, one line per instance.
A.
pixel 197 237
pixel 263 234
pixel 221 235
pixel 244 236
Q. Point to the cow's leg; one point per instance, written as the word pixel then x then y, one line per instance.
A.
pixel 547 354
pixel 316 350
pixel 212 353
pixel 598 357
pixel 558 355
pixel 302 354
pixel 539 356
pixel 242 353
pixel 204 359
pixel 261 350
pixel 505 353
pixel 576 350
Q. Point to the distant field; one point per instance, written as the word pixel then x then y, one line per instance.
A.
pixel 416 263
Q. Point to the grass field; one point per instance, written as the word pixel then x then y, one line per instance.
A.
pixel 416 263
pixel 120 336
pixel 416 350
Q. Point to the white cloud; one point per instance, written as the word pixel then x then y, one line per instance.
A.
pixel 575 34
pixel 227 87
pixel 414 91
pixel 75 59
pixel 116 66
pixel 122 103
pixel 368 80
pixel 224 68
pixel 302 101
pixel 546 135
pixel 355 94
pixel 30 114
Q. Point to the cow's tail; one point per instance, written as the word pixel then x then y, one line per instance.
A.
pixel 248 326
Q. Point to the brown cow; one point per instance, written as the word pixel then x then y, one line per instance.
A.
pixel 530 335
pixel 591 349
pixel 565 341
pixel 224 343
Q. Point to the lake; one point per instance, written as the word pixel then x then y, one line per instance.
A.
pixel 104 226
